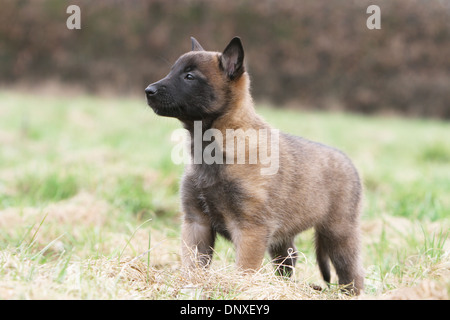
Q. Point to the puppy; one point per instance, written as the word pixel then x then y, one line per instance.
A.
pixel 257 205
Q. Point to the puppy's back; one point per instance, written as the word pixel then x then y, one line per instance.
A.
pixel 314 182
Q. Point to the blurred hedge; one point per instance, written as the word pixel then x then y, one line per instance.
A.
pixel 312 53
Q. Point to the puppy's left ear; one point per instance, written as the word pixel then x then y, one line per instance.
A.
pixel 232 59
pixel 195 45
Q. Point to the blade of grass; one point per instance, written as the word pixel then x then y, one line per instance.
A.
pixel 46 247
pixel 131 237
pixel 33 238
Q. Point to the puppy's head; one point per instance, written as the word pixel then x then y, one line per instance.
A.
pixel 200 85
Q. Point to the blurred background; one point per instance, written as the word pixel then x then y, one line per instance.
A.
pixel 300 54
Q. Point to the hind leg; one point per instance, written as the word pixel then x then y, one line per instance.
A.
pixel 323 260
pixel 343 251
pixel 345 259
pixel 284 256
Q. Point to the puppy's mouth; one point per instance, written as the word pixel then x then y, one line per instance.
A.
pixel 164 109
pixel 151 103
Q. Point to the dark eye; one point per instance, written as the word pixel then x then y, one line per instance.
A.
pixel 189 77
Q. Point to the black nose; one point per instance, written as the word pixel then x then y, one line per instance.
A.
pixel 151 90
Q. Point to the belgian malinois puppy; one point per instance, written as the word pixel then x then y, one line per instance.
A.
pixel 313 185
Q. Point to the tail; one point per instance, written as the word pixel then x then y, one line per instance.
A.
pixel 323 259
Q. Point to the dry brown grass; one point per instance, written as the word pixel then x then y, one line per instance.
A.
pixel 128 268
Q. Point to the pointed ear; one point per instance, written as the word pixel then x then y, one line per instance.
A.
pixel 232 59
pixel 195 45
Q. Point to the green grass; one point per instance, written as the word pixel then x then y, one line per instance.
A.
pixel 89 204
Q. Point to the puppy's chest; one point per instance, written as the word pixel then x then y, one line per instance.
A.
pixel 225 197
pixel 218 195
pixel 222 204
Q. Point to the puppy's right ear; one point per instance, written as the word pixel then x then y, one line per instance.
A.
pixel 195 45
pixel 232 59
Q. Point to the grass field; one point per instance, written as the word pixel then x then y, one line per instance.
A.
pixel 89 205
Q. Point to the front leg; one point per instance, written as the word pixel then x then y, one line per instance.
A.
pixel 250 246
pixel 284 255
pixel 197 235
pixel 197 243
